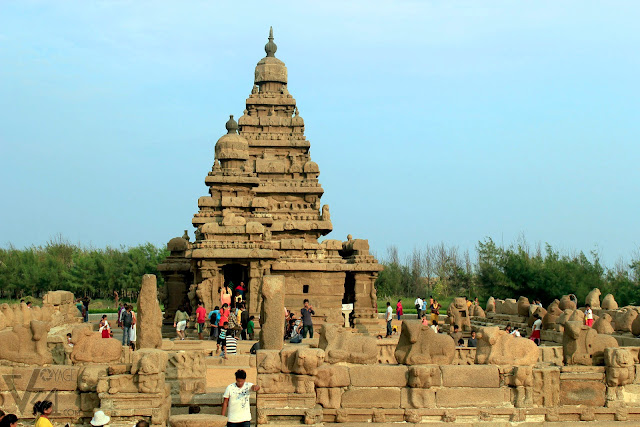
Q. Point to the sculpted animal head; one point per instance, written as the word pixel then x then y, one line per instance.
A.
pixel 489 335
pixel 39 329
pixel 411 331
pixel 572 329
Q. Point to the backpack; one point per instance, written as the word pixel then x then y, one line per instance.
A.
pixel 127 319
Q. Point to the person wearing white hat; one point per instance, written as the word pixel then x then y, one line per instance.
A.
pixel 100 419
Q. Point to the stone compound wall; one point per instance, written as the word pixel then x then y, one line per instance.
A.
pixel 298 386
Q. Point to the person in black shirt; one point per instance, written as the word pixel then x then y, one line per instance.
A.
pixel 472 342
pixel 307 322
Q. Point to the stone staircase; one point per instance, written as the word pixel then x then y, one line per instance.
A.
pixel 219 374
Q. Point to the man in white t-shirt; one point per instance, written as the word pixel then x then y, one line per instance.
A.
pixel 389 318
pixel 418 303
pixel 236 399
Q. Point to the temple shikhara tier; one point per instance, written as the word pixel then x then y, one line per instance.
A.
pixel 263 216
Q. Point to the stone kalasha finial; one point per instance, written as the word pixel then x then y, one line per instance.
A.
pixel 232 125
pixel 270 47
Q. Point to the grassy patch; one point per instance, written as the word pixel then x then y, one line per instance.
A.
pixel 407 304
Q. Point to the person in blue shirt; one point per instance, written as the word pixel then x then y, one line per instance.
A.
pixel 214 318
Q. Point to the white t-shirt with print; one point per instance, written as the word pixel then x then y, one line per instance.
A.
pixel 239 409
pixel 389 313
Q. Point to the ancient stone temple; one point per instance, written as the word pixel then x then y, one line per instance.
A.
pixel 263 216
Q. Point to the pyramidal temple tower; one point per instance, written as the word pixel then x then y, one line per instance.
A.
pixel 263 216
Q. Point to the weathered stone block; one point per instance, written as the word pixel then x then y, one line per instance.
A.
pixel 470 376
pixel 589 393
pixel 329 398
pixel 546 387
pixel 417 398
pixel 63 378
pixel 332 376
pixel 268 361
pixel 424 376
pixel 371 398
pixel 197 420
pixel 57 297
pixel 307 360
pixel 378 376
pixel 88 378
pixel 462 397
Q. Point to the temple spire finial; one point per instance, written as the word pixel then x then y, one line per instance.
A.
pixel 270 47
pixel 231 125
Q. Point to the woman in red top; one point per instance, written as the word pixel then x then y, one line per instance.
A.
pixel 399 311
pixel 224 315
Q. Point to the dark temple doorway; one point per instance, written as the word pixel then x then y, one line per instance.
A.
pixel 234 274
pixel 349 296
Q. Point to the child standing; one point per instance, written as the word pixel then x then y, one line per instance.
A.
pixel 588 316
pixel 222 338
pixel 250 327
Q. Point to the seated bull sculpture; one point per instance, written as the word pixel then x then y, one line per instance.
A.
pixel 341 345
pixel 497 347
pixel 26 344
pixel 89 346
pixel 582 345
pixel 419 344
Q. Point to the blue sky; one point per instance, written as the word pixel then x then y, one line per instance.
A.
pixel 431 121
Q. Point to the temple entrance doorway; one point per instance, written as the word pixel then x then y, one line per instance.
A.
pixel 349 299
pixel 233 275
pixel 349 296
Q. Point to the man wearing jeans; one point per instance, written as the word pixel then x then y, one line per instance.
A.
pixel 127 321
pixel 389 317
pixel 307 322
